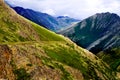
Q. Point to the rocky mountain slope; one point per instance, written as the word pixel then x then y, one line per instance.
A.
pixel 31 52
pixel 96 33
pixel 48 21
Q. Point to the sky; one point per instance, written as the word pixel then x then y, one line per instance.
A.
pixel 79 9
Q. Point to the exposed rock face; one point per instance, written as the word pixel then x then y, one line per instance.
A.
pixel 31 52
pixel 96 33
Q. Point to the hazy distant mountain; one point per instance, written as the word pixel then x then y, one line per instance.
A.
pixel 46 20
pixel 96 33
pixel 31 52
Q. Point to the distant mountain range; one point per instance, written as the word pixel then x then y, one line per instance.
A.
pixel 46 20
pixel 31 52
pixel 96 33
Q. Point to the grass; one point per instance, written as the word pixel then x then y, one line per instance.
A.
pixel 56 65
pixel 115 64
pixel 18 31
pixel 16 28
pixel 111 57
pixel 66 55
pixel 46 35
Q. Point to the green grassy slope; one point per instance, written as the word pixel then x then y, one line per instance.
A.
pixel 30 52
pixel 112 57
pixel 16 28
pixel 71 62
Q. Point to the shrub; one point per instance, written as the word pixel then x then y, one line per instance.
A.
pixel 22 74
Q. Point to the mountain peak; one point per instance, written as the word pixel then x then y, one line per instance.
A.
pixel 103 29
pixel 62 17
pixel 107 14
pixel 104 13
pixel 44 19
pixel 30 52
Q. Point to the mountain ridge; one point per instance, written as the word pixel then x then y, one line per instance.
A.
pixel 29 51
pixel 102 28
pixel 44 19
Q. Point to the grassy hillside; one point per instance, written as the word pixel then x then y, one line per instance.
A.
pixel 111 57
pixel 51 60
pixel 30 52
pixel 15 28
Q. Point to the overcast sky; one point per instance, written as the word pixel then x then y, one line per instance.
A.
pixel 73 8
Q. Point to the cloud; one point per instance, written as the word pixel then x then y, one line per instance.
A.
pixel 49 11
pixel 74 8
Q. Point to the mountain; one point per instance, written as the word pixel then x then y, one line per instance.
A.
pixel 48 21
pixel 66 21
pixel 30 52
pixel 96 33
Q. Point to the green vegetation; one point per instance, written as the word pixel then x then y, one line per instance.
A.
pixel 56 65
pixel 66 55
pixel 12 63
pixel 115 64
pixel 112 57
pixel 29 64
pixel 46 35
pixel 18 29
pixel 34 50
pixel 22 74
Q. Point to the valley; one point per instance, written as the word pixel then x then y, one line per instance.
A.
pixel 29 51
